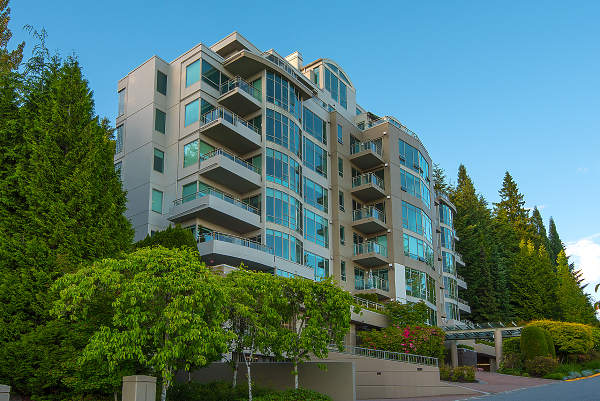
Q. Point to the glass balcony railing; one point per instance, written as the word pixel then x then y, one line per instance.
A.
pixel 218 194
pixel 368 178
pixel 369 304
pixel 232 118
pixel 232 239
pixel 231 157
pixel 367 212
pixel 279 62
pixel 370 283
pixel 238 82
pixel 362 146
pixel 370 246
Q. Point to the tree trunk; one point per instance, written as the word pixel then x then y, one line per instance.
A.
pixel 235 370
pixel 296 374
pixel 163 393
pixel 115 394
pixel 249 380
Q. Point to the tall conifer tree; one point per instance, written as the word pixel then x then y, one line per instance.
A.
pixel 539 230
pixel 555 245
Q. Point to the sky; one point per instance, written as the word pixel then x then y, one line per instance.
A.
pixel 495 85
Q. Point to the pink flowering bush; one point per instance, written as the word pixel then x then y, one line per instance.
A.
pixel 415 339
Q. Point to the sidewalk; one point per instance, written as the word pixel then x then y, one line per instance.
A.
pixel 490 383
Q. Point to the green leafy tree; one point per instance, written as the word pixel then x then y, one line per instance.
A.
pixel 9 60
pixel 171 237
pixel 316 315
pixel 411 313
pixel 168 311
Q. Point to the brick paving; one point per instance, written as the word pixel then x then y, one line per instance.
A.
pixel 490 383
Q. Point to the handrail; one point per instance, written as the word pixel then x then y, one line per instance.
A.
pixel 233 239
pixel 370 246
pixel 388 355
pixel 230 156
pixel 369 304
pixel 229 116
pixel 219 194
pixel 367 145
pixel 371 282
pixel 366 212
pixel 366 179
pixel 396 123
pixel 238 82
pixel 462 301
pixel 279 62
pixel 460 277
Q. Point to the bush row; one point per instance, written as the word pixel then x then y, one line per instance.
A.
pixel 466 373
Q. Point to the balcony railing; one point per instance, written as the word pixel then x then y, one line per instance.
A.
pixel 238 82
pixel 370 283
pixel 218 194
pixel 442 195
pixel 367 179
pixel 388 355
pixel 460 277
pixel 232 239
pixel 394 122
pixel 362 146
pixel 279 62
pixel 232 118
pixel 367 212
pixel 369 304
pixel 462 301
pixel 230 156
pixel 370 246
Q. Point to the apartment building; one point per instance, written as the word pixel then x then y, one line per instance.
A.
pixel 272 163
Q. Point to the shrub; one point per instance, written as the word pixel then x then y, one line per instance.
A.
pixel 445 371
pixel 486 342
pixel 569 338
pixel 541 366
pixel 512 361
pixel 511 345
pixel 465 347
pixel 449 373
pixel 300 394
pixel 418 340
pixel 469 373
pixel 456 374
pixel 214 391
pixel 368 297
pixel 596 338
pixel 549 343
pixel 554 376
pixel 533 343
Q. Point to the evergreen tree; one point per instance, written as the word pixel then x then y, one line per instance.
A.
pixel 512 208
pixel 9 60
pixel 171 237
pixel 440 183
pixel 555 245
pixel 573 303
pixel 526 294
pixel 486 309
pixel 539 230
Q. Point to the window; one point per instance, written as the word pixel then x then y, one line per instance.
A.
pixel 315 195
pixel 285 246
pixel 283 170
pixel 343 270
pixel 192 73
pixel 160 123
pixel 284 209
pixel 340 138
pixel 316 79
pixel 255 202
pixel 447 238
pixel 189 192
pixel 212 76
pixel 331 84
pixel 316 228
pixel 420 285
pixel 157 198
pixel 283 94
pixel 414 186
pixel 358 112
pixel 335 86
pixel 161 83
pixel 343 95
pixel 319 264
pixel 119 139
pixel 205 150
pixel 342 208
pixel 445 215
pixel 451 288
pixel 119 170
pixel 315 126
pixel 192 112
pixel 413 159
pixel 284 132
pixel 340 166
pixel 415 220
pixel 342 235
pixel 121 106
pixel 190 154
pixel 452 311
pixel 417 249
pixel 448 263
pixel 315 158
pixel 159 161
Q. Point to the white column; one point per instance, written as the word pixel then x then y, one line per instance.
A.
pixel 498 344
pixel 139 388
pixel 454 352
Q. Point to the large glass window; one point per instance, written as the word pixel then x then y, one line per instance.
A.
pixel 415 220
pixel 343 270
pixel 121 105
pixel 159 161
pixel 340 167
pixel 420 285
pixel 315 195
pixel 119 170
pixel 331 84
pixel 446 215
pixel 119 139
pixel 343 95
pixel 160 122
pixel 451 288
pixel 284 132
pixel 161 83
pixel 192 112
pixel 192 73
pixel 414 186
pixel 212 76
pixel 283 94
pixel 283 170
pixel 316 228
pixel 448 263
pixel 284 209
pixel 342 235
pixel 319 264
pixel 335 86
pixel 413 159
pixel 452 311
pixel 315 158
pixel 315 126
pixel 285 246
pixel 418 249
pixel 189 191
pixel 190 154
pixel 340 136
pixel 447 237
pixel 157 198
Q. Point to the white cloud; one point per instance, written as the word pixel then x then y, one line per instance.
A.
pixel 582 169
pixel 539 207
pixel 586 255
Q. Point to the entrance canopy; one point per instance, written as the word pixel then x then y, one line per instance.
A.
pixel 480 331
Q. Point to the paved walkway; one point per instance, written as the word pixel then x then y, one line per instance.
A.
pixel 489 383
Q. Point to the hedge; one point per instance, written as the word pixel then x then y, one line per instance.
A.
pixel 596 337
pixel 511 345
pixel 550 343
pixel 533 342
pixel 569 338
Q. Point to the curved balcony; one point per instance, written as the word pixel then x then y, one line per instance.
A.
pixel 218 248
pixel 366 155
pixel 368 187
pixel 369 220
pixel 373 285
pixel 230 130
pixel 230 171
pixel 370 254
pixel 240 96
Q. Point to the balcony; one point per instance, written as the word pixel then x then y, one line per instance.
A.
pixel 217 248
pixel 230 171
pixel 459 259
pixel 370 254
pixel 366 155
pixel 241 97
pixel 442 197
pixel 463 305
pixel 373 285
pixel 230 130
pixel 461 282
pixel 368 187
pixel 216 207
pixel 369 220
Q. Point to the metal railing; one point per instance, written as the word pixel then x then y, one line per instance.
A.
pixel 367 212
pixel 370 246
pixel 460 277
pixel 459 258
pixel 369 145
pixel 233 239
pixel 279 62
pixel 231 157
pixel 227 115
pixel 388 355
pixel 218 194
pixel 370 283
pixel 462 301
pixel 368 304
pixel 367 179
pixel 238 82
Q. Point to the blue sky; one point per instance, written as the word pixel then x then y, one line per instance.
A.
pixel 495 85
